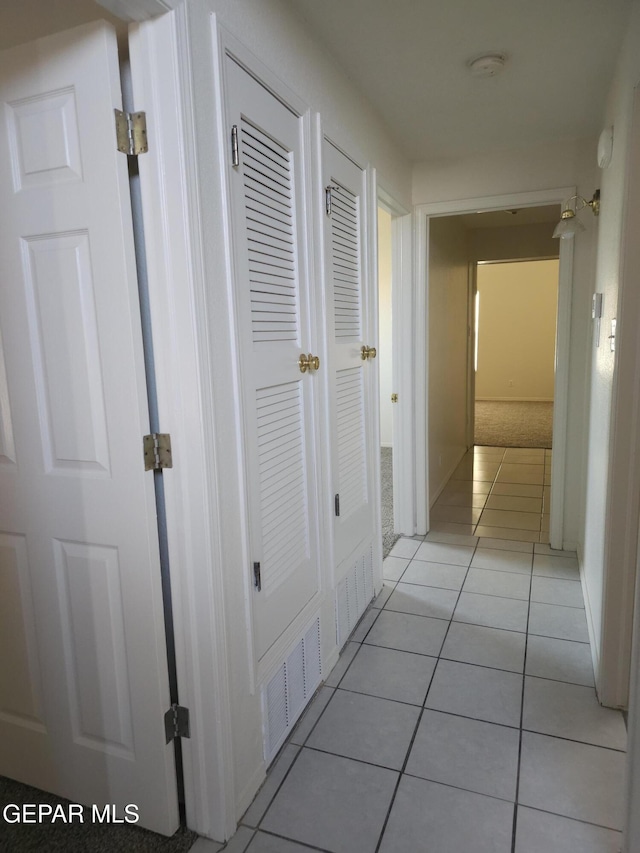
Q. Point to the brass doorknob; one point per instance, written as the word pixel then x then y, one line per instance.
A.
pixel 368 352
pixel 308 362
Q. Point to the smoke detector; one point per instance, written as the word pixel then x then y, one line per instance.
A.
pixel 487 65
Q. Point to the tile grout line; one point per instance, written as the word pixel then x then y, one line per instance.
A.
pixel 421 714
pixel 524 669
pixel 291 841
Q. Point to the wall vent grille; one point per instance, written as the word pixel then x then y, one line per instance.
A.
pixel 287 693
pixel 353 594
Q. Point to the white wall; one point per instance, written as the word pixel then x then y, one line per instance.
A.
pixel 566 163
pixel 31 19
pixel 447 318
pixel 384 328
pixel 511 242
pixel 618 113
pixel 273 33
pixel 500 172
pixel 517 330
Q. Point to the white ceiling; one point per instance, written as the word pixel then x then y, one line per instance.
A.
pixel 409 59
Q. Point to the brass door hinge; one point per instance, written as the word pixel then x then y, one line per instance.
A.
pixel 131 132
pixel 157 451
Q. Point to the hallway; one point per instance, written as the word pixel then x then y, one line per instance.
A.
pixel 461 716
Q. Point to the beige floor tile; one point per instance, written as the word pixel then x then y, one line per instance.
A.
pixel 488 452
pixel 461 499
pixel 514 503
pixel 452 527
pixel 518 454
pixel 506 518
pixel 501 544
pixel 525 490
pixel 514 473
pixel 457 514
pixel 507 533
pixel 469 486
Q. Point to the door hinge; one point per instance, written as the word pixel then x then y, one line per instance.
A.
pixel 257 576
pixel 337 505
pixel 157 451
pixel 235 150
pixel 131 132
pixel 328 199
pixel 176 722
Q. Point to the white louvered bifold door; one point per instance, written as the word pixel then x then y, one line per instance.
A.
pixel 272 302
pixel 346 281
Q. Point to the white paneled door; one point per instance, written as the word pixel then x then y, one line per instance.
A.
pixel 268 200
pixel 351 352
pixel 83 672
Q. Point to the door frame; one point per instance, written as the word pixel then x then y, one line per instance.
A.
pixel 420 351
pixel 472 290
pixel 185 355
pixel 622 537
pixel 402 367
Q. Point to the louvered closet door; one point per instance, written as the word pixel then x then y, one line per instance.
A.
pixel 273 313
pixel 346 282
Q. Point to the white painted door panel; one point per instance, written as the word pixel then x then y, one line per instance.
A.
pixel 348 330
pixel 83 672
pixel 272 299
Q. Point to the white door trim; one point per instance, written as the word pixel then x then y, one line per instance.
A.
pixel 418 350
pixel 623 491
pixel 472 289
pixel 402 368
pixel 184 356
pixel 423 213
pixel 631 828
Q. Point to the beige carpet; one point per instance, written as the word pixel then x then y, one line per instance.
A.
pixel 513 424
pixel 389 538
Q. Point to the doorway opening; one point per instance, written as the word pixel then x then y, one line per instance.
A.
pixel 456 237
pixel 515 308
pixel 395 363
pixel 385 367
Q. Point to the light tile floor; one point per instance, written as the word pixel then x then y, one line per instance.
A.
pixel 460 718
pixel 497 492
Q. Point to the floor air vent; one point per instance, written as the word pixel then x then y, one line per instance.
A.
pixel 353 594
pixel 287 693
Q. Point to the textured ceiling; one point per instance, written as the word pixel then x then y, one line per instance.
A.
pixel 409 59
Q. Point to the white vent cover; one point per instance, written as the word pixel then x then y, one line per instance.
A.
pixel 286 694
pixel 353 594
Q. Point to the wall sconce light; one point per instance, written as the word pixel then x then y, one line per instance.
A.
pixel 569 224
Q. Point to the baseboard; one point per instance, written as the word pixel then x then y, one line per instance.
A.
pixel 443 483
pixel 595 650
pixel 250 790
pixel 514 399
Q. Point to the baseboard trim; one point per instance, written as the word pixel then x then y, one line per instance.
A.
pixel 441 487
pixel 514 399
pixel 593 639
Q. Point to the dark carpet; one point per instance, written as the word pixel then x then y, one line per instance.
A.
pixel 75 837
